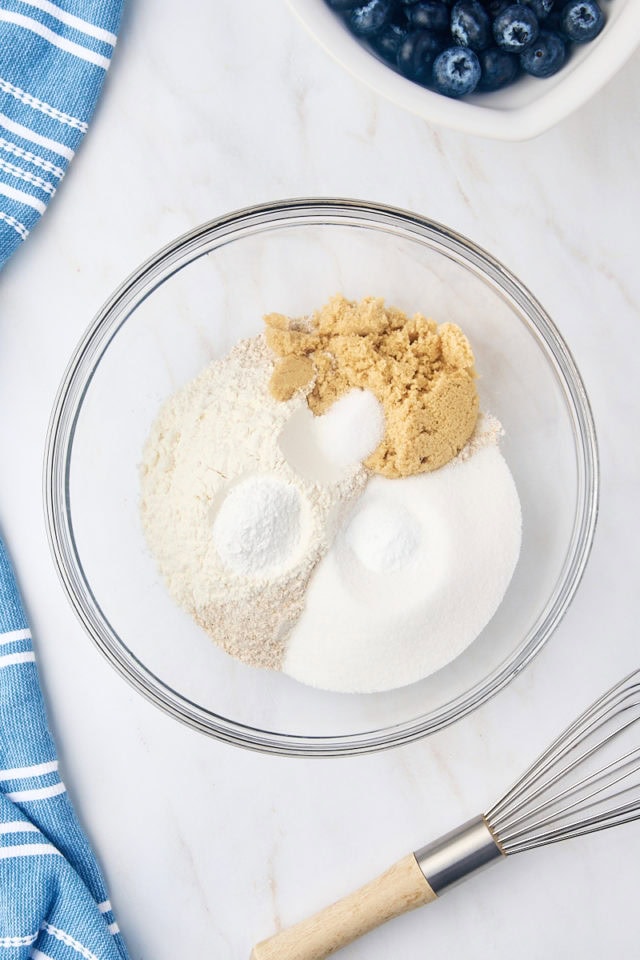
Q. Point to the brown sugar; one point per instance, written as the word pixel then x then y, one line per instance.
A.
pixel 422 374
pixel 292 373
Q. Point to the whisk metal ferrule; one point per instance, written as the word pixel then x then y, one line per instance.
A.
pixel 458 854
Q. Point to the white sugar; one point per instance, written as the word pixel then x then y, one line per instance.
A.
pixel 416 572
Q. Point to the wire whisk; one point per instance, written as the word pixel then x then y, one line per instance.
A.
pixel 588 779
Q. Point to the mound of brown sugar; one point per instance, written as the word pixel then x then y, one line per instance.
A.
pixel 422 374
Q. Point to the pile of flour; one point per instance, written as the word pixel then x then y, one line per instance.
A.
pixel 235 529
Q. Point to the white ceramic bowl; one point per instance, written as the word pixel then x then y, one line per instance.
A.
pixel 519 112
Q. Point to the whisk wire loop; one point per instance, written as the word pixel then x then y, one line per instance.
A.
pixel 575 786
pixel 534 825
pixel 591 780
pixel 584 726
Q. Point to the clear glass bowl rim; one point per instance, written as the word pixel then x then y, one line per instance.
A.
pixel 115 312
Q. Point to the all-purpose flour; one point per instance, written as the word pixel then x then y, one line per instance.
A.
pixel 236 531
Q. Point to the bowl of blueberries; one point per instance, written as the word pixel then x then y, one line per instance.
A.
pixel 488 67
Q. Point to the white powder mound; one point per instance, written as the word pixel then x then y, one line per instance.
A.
pixel 388 606
pixel 258 529
pixel 235 530
pixel 382 534
pixel 324 449
pixel 351 428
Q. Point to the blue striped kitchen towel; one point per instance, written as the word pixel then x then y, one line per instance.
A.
pixel 53 902
pixel 53 61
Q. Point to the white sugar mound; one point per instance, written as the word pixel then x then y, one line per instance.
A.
pixel 413 576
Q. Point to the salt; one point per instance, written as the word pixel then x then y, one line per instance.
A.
pixel 352 428
pixel 323 449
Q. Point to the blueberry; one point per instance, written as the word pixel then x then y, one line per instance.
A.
pixel 344 4
pixel 470 25
pixel 498 68
pixel 414 37
pixel 515 28
pixel 545 56
pixel 456 71
pixel 412 3
pixel 494 7
pixel 553 21
pixel 582 20
pixel 541 8
pixel 388 42
pixel 370 17
pixel 399 16
pixel 417 54
pixel 429 15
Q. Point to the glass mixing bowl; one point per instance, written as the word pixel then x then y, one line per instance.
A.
pixel 190 303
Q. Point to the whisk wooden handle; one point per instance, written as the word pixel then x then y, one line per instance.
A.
pixel 401 888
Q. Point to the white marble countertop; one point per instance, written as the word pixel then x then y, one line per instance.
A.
pixel 207 848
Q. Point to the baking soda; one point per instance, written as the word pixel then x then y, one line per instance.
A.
pixel 382 535
pixel 257 530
